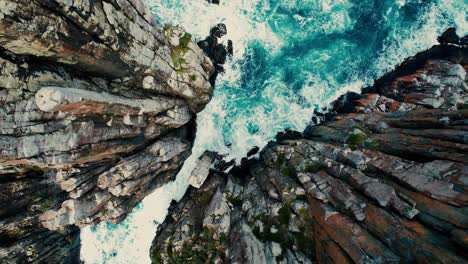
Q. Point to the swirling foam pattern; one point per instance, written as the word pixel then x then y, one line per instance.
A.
pixel 291 56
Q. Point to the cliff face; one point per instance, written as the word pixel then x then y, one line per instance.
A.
pixel 97 110
pixel 382 180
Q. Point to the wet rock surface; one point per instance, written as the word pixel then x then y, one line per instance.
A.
pixel 217 51
pixel 216 2
pixel 382 179
pixel 97 110
pixel 450 36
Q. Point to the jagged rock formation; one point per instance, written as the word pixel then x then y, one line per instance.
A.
pixel 97 110
pixel 450 37
pixel 202 169
pixel 383 180
pixel 214 49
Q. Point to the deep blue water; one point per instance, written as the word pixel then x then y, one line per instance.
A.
pixel 291 57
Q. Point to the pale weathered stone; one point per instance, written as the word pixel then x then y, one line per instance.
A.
pixel 202 169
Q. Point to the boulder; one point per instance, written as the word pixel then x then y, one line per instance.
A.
pixel 202 169
pixel 215 50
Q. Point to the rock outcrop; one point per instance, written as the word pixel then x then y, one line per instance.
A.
pixel 217 51
pixel 97 110
pixel 382 180
pixel 216 2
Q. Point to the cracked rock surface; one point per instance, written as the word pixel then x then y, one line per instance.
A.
pixel 383 180
pixel 97 107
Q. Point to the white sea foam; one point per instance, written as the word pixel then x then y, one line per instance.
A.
pixel 130 241
pixel 198 17
pixel 419 37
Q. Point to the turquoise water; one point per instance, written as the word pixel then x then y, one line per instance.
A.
pixel 291 57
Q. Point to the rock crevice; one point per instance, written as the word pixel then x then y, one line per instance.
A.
pixel 97 110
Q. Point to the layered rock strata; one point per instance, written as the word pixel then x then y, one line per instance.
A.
pixel 97 110
pixel 383 180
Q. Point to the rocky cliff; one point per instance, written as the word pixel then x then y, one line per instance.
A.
pixel 97 110
pixel 383 178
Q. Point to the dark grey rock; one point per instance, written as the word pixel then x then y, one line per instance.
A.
pixel 449 37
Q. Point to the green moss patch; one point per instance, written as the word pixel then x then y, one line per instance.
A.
pixel 374 145
pixel 200 250
pixel 281 159
pixel 156 257
pixel 286 171
pixel 313 167
pixel 46 205
pixel 177 53
pixel 284 214
pixel 302 197
pixel 184 41
pixel 356 139
pixel 234 200
pixel 305 239
pixel 281 223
